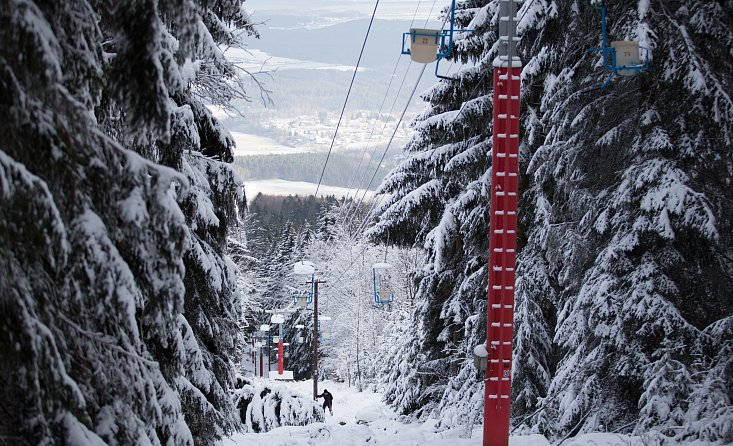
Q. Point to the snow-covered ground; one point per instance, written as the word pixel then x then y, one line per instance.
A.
pixel 248 144
pixel 363 419
pixel 284 187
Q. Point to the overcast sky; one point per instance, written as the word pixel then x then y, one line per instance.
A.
pixel 388 9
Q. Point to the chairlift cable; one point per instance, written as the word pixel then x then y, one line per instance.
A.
pixel 366 218
pixel 371 133
pixel 384 100
pixel 438 144
pixel 376 144
pixel 429 13
pixel 396 129
pixel 366 189
pixel 350 208
pixel 346 100
pixel 347 208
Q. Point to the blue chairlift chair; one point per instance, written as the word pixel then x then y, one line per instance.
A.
pixel 383 292
pixel 621 57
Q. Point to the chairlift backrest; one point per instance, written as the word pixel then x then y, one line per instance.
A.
pixel 302 300
pixel 424 45
pixel 383 293
pixel 432 45
pixel 627 55
pixel 305 268
pixel 620 57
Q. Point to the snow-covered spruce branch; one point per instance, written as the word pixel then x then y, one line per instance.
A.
pixel 103 339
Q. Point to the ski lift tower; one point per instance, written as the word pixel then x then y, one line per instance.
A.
pixel 503 229
pixel 278 317
pixel 306 268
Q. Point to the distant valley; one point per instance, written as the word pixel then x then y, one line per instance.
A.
pixel 309 77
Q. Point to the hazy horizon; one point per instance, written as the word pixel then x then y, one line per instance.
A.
pixel 347 9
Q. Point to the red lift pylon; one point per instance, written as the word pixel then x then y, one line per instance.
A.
pixel 503 230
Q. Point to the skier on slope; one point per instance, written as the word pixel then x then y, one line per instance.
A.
pixel 327 400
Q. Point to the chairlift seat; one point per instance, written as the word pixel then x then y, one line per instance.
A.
pixel 424 44
pixel 302 301
pixel 627 55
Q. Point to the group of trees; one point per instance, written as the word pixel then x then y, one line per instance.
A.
pixel 624 292
pixel 119 306
pixel 351 341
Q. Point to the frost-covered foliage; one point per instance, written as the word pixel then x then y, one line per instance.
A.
pixel 350 342
pixel 624 267
pixel 438 198
pixel 266 407
pixel 119 306
pixel 637 235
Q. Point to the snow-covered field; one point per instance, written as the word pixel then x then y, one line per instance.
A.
pixel 363 419
pixel 255 60
pixel 302 188
pixel 248 144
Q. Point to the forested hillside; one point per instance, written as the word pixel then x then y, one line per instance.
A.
pixel 119 306
pixel 624 310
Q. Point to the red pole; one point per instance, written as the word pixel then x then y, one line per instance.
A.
pixel 262 364
pixel 315 339
pixel 280 353
pixel 503 232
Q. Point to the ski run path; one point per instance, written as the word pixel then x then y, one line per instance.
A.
pixel 378 425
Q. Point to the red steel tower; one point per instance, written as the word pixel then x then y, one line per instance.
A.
pixel 503 230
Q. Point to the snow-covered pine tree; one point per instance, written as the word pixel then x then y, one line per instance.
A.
pixel 438 198
pixel 100 350
pixel 276 271
pixel 635 226
pixel 300 352
pixel 90 231
pixel 238 248
pixel 626 222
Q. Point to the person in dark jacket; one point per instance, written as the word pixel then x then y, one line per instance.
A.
pixel 327 400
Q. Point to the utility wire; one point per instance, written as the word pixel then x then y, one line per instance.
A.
pixel 356 69
pixel 389 144
pixel 344 211
pixel 438 144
